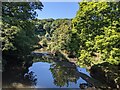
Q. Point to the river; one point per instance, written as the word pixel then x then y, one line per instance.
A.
pixel 45 73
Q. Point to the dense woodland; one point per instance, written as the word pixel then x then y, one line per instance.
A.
pixel 93 36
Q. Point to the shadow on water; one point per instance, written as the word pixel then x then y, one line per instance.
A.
pixel 64 73
pixel 60 74
pixel 107 74
pixel 50 72
pixel 13 75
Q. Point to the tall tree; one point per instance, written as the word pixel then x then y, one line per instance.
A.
pixel 17 28
pixel 97 25
pixel 18 15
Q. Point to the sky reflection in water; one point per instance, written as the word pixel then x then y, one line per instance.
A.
pixel 55 76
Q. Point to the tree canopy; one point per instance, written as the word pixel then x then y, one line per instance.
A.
pixel 97 24
pixel 93 36
pixel 18 35
pixel 17 26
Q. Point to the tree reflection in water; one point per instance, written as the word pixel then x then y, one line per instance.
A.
pixel 14 76
pixel 66 74
pixel 63 75
pixel 30 77
pixel 108 74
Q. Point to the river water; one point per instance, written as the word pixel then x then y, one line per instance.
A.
pixel 55 77
pixel 44 75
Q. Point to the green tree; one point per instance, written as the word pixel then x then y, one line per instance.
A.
pixel 97 25
pixel 18 29
pixel 15 14
pixel 60 34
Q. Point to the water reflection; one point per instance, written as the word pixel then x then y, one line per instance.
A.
pixel 30 77
pixel 57 74
pixel 108 74
pixel 63 75
pixel 44 74
pixel 14 76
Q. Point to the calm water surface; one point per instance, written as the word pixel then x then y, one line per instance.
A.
pixel 43 75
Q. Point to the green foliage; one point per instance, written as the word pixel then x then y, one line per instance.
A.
pixel 60 35
pixel 8 36
pixel 19 10
pixel 53 33
pixel 97 25
pixel 25 39
pixel 18 29
pixel 73 42
pixel 43 27
pixel 85 58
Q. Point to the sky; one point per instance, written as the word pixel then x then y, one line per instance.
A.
pixel 57 10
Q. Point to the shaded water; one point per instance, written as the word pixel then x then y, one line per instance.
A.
pixel 44 75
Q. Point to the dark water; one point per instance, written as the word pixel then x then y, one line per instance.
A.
pixel 44 75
